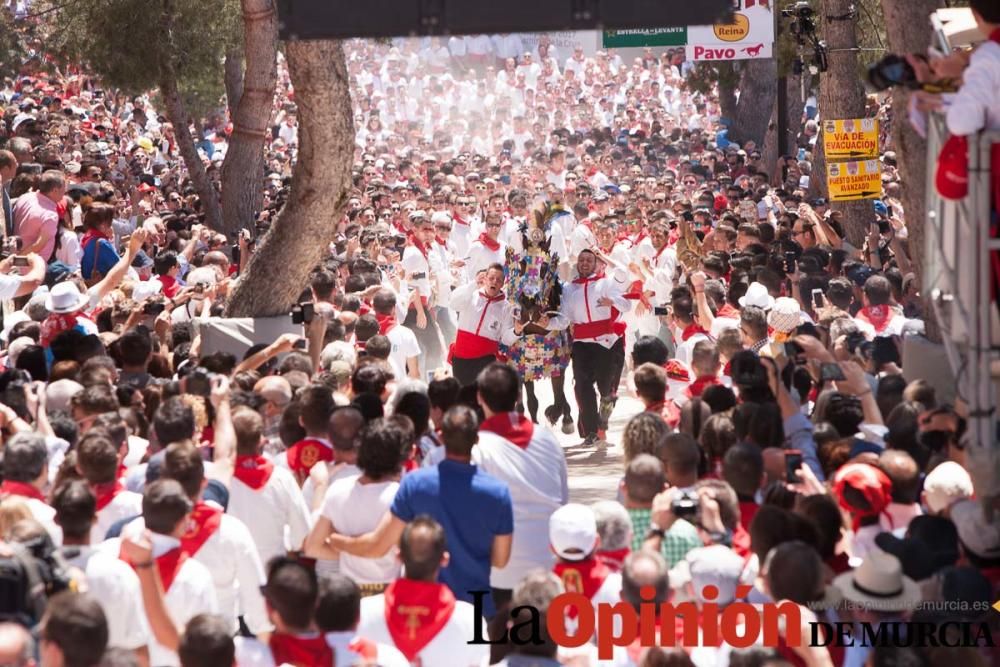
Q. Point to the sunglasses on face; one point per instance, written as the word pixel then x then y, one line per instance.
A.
pixel 493 225
pixel 443 228
pixel 481 188
pixel 659 200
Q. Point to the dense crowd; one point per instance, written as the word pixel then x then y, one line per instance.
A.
pixel 385 485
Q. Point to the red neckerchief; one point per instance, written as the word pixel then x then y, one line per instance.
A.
pixel 121 472
pixel 205 520
pixel 418 244
pixel 304 454
pixel 440 241
pixel 168 565
pixel 300 651
pixel 659 252
pixel 727 370
pixel 614 559
pixel 639 239
pixel 589 279
pixel 511 426
pixel 55 324
pixel 366 648
pixel 254 471
pixel 488 242
pixel 728 311
pixel 668 410
pixel 415 612
pixel 459 220
pixel 170 286
pixel 698 387
pixel 878 316
pixel 839 563
pixel 106 492
pixel 90 235
pixel 386 323
pixel 585 577
pixel 691 330
pixel 22 489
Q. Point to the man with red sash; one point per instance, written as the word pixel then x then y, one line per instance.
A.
pixel 592 303
pixel 483 316
pixel 291 594
pixel 316 407
pixel 574 540
pixel 153 547
pixel 97 461
pixel 263 496
pixel 220 542
pixel 420 616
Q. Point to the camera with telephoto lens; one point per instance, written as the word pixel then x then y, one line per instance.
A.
pixel 685 505
pixel 802 10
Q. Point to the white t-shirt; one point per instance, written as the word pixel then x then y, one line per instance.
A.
pixel 355 509
pixel 116 587
pixel 404 345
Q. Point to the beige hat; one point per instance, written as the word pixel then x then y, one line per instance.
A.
pixel 785 315
pixel 945 485
pixel 879 584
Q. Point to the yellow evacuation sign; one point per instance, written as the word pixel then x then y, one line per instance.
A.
pixel 850 138
pixel 854 180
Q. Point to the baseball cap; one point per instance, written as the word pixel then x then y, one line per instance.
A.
pixel 717 566
pixel 880 207
pixel 573 531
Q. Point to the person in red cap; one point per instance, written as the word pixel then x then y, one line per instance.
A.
pixel 865 492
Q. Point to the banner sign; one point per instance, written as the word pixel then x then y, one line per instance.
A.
pixel 749 36
pixel 618 39
pixel 847 181
pixel 850 138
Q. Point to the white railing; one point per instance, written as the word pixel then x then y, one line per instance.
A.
pixel 957 276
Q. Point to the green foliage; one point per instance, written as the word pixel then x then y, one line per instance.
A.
pixel 13 38
pixel 127 44
pixel 705 75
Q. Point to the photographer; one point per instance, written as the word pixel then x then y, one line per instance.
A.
pixel 13 283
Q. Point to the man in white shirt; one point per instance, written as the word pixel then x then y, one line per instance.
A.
pixel 531 462
pixel 110 579
pixel 97 461
pixel 440 636
pixel 355 505
pixel 486 249
pixel 483 317
pixel 220 542
pixel 263 496
pixel 416 262
pixel 592 303
pixel 153 548
pixel 404 357
pixel 338 614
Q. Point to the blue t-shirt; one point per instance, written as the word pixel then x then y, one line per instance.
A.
pixel 106 258
pixel 473 507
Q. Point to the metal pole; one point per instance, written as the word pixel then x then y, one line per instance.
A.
pixel 782 90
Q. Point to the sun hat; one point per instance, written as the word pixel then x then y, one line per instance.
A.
pixel 978 536
pixel 757 295
pixel 65 298
pixel 945 485
pixel 573 531
pixel 880 584
pixel 785 315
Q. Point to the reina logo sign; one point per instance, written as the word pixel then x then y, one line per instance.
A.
pixel 735 31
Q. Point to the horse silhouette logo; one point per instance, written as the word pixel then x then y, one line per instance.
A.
pixel 753 51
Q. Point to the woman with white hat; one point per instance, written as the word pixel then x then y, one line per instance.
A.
pixel 65 304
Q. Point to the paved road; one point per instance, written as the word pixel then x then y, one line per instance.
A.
pixel 594 474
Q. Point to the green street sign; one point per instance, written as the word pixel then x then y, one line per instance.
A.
pixel 616 39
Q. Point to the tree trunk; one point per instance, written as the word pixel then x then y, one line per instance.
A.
pixel 243 168
pixel 321 178
pixel 909 36
pixel 842 95
pixel 233 78
pixel 728 78
pixel 177 112
pixel 758 92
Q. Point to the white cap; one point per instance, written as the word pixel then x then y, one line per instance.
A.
pixel 573 531
pixel 717 566
pixel 945 485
